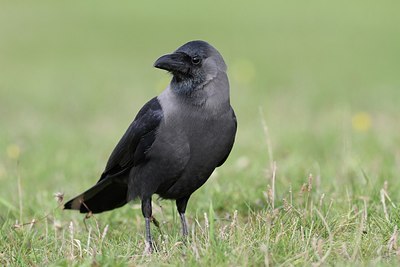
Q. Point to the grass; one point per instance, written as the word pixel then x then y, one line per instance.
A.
pixel 313 177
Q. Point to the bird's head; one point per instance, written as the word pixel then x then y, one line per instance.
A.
pixel 192 65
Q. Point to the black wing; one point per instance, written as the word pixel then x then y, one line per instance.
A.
pixel 130 150
pixel 110 192
pixel 231 141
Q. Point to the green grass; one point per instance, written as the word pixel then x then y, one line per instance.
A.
pixel 322 76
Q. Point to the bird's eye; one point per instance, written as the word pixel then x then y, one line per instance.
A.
pixel 196 60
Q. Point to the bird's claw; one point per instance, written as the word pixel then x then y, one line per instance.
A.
pixel 148 249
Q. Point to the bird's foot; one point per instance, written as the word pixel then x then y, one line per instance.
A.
pixel 185 239
pixel 148 249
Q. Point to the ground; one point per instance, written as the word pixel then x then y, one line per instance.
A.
pixel 314 174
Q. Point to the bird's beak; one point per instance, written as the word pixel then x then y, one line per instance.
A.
pixel 174 62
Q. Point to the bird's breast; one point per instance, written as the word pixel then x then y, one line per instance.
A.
pixel 195 135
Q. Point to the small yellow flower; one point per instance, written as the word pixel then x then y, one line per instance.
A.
pixel 13 151
pixel 361 121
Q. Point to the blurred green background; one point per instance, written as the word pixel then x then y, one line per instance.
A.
pixel 325 74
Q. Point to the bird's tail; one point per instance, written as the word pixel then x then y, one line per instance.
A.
pixel 106 195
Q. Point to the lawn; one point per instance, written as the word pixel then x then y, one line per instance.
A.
pixel 314 176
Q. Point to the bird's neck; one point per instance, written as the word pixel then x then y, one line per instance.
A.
pixel 210 94
pixel 185 86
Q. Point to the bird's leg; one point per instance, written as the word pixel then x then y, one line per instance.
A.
pixel 149 241
pixel 184 225
pixel 181 206
pixel 146 210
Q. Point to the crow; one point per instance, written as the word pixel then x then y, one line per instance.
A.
pixel 174 143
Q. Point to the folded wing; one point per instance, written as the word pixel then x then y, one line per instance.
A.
pixel 110 192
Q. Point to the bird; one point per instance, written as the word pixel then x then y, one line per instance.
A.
pixel 174 143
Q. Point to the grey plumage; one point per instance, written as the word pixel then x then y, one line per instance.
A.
pixel 176 140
